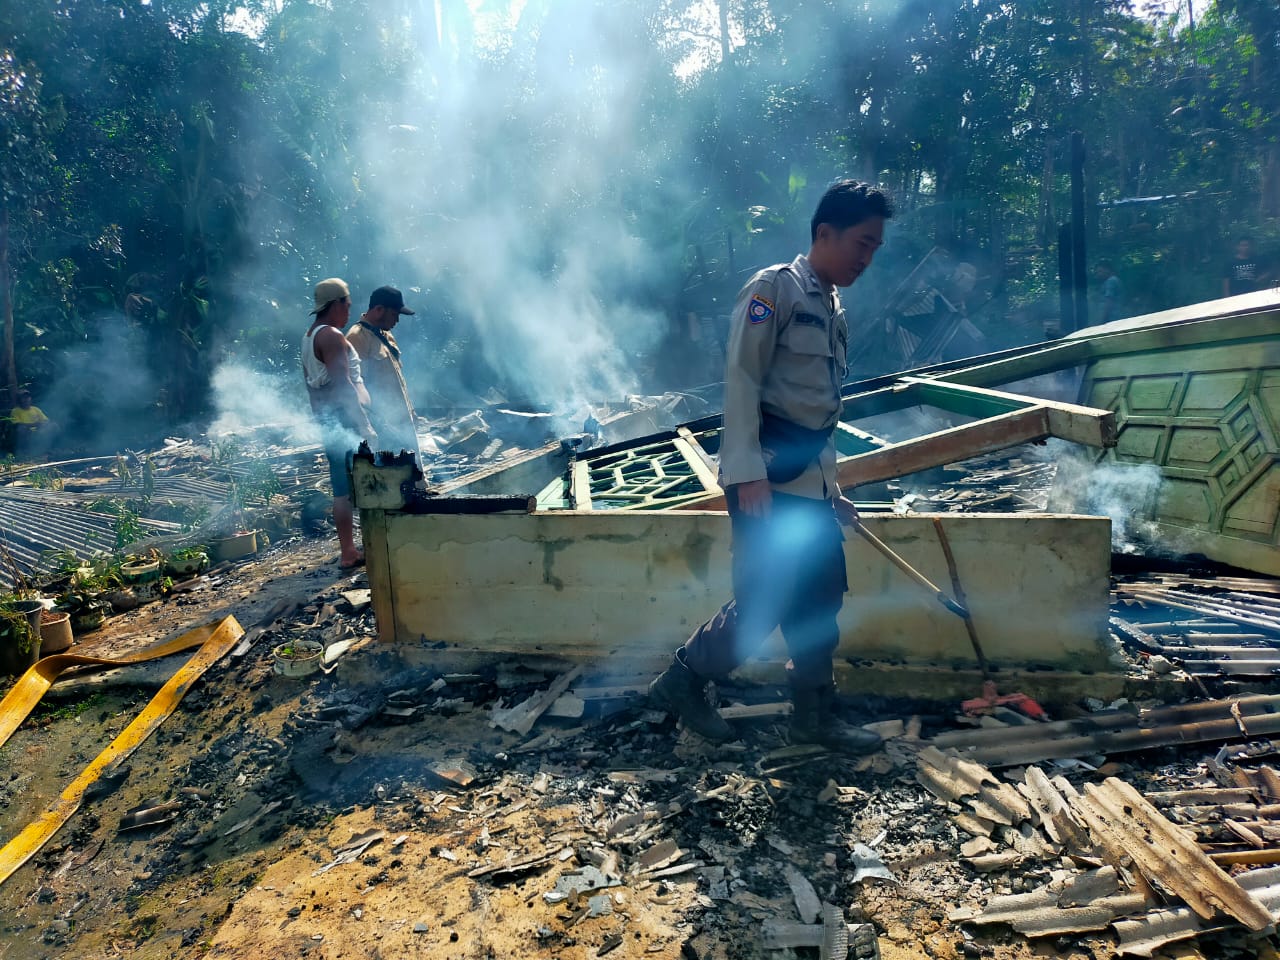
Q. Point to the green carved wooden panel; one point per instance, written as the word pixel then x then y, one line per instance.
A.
pixel 1209 419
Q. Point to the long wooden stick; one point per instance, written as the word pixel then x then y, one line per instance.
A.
pixel 909 570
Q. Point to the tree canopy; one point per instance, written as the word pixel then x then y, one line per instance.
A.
pixel 558 184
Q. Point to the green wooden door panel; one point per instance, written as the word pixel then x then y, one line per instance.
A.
pixel 1209 418
pixel 1184 502
pixel 1138 444
pixel 1253 515
pixel 1196 448
pixel 1209 394
pixel 1152 394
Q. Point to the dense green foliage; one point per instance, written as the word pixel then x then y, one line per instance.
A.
pixel 558 183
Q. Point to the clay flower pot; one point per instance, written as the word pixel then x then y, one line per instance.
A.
pixel 88 615
pixel 237 546
pixel 55 632
pixel 126 598
pixel 88 621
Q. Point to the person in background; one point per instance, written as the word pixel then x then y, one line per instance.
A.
pixel 786 363
pixel 390 409
pixel 339 401
pixel 33 431
pixel 1112 291
pixel 1242 273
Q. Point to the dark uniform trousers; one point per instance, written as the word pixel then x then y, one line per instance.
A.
pixel 788 571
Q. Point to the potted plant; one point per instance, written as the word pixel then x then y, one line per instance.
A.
pixel 88 611
pixel 249 481
pixel 142 577
pixel 187 561
pixel 135 570
pixel 59 567
pixel 96 577
pixel 298 658
pixel 19 632
pixel 234 546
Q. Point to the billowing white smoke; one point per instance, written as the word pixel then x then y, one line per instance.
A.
pixel 1125 492
pixel 246 397
pixel 495 175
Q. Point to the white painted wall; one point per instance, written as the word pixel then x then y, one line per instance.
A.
pixel 624 584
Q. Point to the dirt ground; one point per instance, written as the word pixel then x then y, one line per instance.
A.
pixel 307 820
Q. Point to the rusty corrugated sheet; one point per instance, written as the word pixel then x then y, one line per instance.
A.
pixel 1143 936
pixel 29 529
pixel 1127 825
pixel 1117 731
pixel 1089 901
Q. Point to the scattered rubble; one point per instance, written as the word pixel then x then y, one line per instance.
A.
pixel 381 810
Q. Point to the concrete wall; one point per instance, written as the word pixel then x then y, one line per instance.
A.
pixel 633 585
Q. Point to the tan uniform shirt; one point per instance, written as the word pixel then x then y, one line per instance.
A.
pixel 390 409
pixel 787 355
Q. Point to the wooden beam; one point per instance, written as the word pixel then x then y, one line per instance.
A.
pixel 1091 426
pixel 703 466
pixel 580 485
pixel 946 446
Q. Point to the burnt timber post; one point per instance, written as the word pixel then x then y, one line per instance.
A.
pixel 1080 280
pixel 1066 298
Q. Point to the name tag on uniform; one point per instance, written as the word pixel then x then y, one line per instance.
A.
pixel 760 309
pixel 811 319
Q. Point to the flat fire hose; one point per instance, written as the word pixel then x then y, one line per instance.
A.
pixel 214 641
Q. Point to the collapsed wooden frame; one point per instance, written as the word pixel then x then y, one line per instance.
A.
pixel 675 470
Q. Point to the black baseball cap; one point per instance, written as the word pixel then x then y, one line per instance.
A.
pixel 388 297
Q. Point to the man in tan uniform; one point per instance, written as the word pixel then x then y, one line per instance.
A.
pixel 390 410
pixel 785 368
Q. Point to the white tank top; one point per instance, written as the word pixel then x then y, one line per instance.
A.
pixel 313 368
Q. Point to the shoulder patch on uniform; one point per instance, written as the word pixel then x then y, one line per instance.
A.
pixel 759 309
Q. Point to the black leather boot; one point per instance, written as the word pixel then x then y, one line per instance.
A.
pixel 815 721
pixel 682 693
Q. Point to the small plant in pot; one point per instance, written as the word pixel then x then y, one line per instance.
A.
pixel 144 569
pixel 60 567
pixel 234 538
pixel 186 562
pixel 88 611
pixel 298 658
pixel 250 481
pixel 19 619
pixel 19 633
pixel 97 577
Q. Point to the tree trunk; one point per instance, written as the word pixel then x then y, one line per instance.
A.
pixel 1048 215
pixel 1270 186
pixel 6 296
pixel 1080 276
pixel 724 31
pixel 1066 286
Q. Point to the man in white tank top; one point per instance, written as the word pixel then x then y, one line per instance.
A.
pixel 331 369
